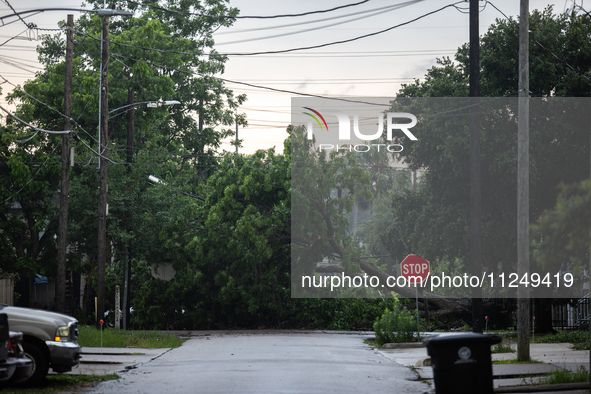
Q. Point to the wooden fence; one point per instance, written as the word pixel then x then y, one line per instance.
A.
pixel 7 292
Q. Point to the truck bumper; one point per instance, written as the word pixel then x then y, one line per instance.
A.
pixel 64 355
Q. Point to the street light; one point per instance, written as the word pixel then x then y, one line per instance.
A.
pixel 150 104
pixel 106 12
pixel 130 131
pixel 103 123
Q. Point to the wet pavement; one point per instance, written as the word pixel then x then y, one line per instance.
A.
pixel 291 363
pixel 299 362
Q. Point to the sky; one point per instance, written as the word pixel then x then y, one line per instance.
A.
pixel 375 66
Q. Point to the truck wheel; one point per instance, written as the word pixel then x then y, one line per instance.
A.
pixel 40 364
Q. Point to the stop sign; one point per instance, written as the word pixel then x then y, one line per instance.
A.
pixel 415 268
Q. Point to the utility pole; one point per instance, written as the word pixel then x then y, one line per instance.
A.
pixel 127 271
pixel 103 153
pixel 102 210
pixel 62 238
pixel 475 193
pixel 523 318
pixel 236 135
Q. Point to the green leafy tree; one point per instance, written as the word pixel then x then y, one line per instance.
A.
pixel 563 231
pixel 230 251
pixel 435 221
pixel 156 54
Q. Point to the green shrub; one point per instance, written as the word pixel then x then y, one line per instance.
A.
pixel 579 339
pixel 565 376
pixel 397 325
pixel 502 348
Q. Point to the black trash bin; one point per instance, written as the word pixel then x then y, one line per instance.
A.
pixel 461 362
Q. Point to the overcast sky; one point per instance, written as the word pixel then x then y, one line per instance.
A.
pixel 369 67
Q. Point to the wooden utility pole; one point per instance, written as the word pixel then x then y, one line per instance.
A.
pixel 62 237
pixel 475 194
pixel 127 271
pixel 589 252
pixel 102 211
pixel 523 318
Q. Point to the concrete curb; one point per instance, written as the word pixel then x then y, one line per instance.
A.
pixel 403 345
pixel 200 333
pixel 542 388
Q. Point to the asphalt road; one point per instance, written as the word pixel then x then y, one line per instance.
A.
pixel 269 363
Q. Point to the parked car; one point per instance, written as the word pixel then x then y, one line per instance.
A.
pixel 14 365
pixel 7 365
pixel 24 365
pixel 49 340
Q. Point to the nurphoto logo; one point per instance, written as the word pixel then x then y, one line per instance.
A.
pixel 395 121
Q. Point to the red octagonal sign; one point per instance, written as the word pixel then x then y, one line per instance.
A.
pixel 415 268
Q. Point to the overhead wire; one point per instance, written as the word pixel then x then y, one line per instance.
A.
pixel 32 177
pixel 18 15
pixel 332 18
pixel 343 41
pixel 40 10
pixel 75 121
pixel 382 10
pixel 36 99
pixel 35 127
pixel 12 38
pixel 282 50
pixel 249 84
pixel 542 46
pixel 363 54
pixel 250 16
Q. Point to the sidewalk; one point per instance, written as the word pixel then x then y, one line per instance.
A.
pixel 108 360
pixel 555 356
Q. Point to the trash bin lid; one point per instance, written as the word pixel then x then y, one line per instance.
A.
pixel 463 337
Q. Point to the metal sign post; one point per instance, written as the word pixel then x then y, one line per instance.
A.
pixel 415 269
pixel 417 299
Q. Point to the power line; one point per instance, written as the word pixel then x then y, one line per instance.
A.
pixel 282 50
pixel 36 99
pixel 252 85
pixel 327 80
pixel 18 66
pixel 344 41
pixel 40 10
pixel 35 127
pixel 29 25
pixel 12 38
pixel 332 18
pixel 542 46
pixel 360 54
pixel 97 153
pixel 250 16
pixel 32 177
pixel 371 13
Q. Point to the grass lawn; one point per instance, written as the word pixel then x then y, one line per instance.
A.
pixel 502 348
pixel 556 377
pixel 91 337
pixel 579 339
pixel 517 362
pixel 61 383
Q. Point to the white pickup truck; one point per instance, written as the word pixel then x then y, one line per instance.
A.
pixel 49 339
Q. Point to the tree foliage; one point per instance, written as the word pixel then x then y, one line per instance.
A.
pixel 435 221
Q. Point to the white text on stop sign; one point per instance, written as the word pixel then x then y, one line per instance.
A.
pixel 416 269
